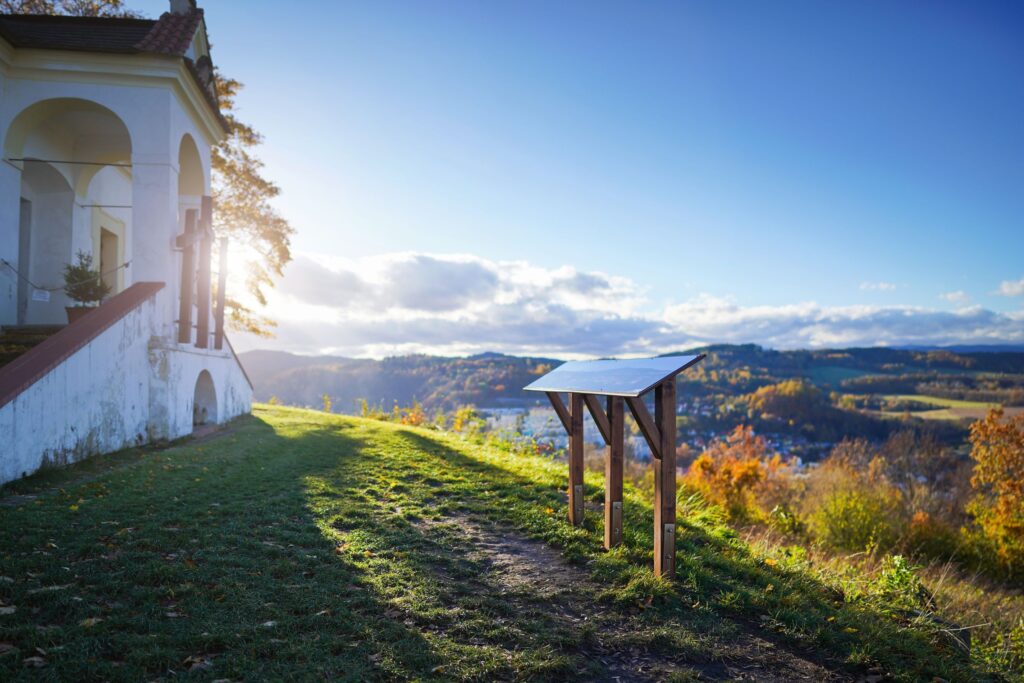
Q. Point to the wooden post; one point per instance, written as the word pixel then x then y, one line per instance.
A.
pixel 203 290
pixel 188 278
pixel 613 473
pixel 222 283
pixel 576 459
pixel 665 481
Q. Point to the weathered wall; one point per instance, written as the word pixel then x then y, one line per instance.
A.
pixel 94 402
pixel 124 388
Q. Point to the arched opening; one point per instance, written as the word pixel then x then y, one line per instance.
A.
pixel 74 157
pixel 44 244
pixel 191 178
pixel 204 402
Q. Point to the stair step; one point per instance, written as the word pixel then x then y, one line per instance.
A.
pixel 17 339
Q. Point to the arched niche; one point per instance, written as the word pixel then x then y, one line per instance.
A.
pixel 191 175
pixel 204 402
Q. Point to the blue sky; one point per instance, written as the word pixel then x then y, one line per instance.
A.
pixel 858 159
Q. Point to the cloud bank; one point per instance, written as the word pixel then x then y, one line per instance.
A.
pixel 462 304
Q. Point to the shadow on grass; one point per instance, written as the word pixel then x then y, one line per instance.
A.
pixel 309 548
pixel 717 576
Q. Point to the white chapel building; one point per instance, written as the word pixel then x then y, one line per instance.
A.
pixel 106 128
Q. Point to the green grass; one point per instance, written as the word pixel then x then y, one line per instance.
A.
pixel 311 546
pixel 939 401
pixel 947 408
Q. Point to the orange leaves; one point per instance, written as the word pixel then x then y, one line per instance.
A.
pixel 732 471
pixel 997 448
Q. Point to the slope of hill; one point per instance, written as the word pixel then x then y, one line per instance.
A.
pixel 495 379
pixel 488 379
pixel 302 545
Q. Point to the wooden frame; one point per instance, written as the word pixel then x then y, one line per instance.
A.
pixel 659 431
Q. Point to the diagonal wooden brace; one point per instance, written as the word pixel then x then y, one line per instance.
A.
pixel 600 418
pixel 646 423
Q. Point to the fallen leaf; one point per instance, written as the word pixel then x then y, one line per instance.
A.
pixel 197 663
pixel 8 609
pixel 90 622
pixel 269 624
pixel 6 648
pixel 849 629
pixel 34 662
pixel 48 589
pixel 770 561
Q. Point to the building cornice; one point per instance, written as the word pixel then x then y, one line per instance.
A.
pixel 138 70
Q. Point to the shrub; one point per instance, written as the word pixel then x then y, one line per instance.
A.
pixel 928 536
pixel 899 585
pixel 856 519
pixel 997 448
pixel 82 282
pixel 728 471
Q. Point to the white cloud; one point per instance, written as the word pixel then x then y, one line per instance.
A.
pixel 1011 287
pixel 461 304
pixel 877 286
pixel 959 297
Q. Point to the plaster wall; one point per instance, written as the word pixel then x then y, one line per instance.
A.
pixel 125 388
pixel 96 401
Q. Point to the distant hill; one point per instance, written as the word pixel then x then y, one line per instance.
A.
pixel 488 379
pixel 494 379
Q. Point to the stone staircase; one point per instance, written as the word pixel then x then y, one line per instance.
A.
pixel 17 339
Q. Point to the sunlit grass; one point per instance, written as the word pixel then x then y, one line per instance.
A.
pixel 307 545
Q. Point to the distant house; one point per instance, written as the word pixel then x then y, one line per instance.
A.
pixel 107 127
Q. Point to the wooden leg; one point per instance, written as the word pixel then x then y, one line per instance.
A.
pixel 576 459
pixel 613 474
pixel 665 481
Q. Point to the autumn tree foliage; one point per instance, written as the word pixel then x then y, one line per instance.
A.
pixel 242 195
pixel 794 399
pixel 738 473
pixel 85 8
pixel 997 449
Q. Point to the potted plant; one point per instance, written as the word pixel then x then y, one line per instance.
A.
pixel 82 283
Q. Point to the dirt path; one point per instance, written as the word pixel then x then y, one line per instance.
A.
pixel 526 572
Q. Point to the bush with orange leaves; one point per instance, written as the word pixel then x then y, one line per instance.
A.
pixel 997 448
pixel 739 474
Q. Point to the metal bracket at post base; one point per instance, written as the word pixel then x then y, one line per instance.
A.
pixel 577 503
pixel 668 551
pixel 617 522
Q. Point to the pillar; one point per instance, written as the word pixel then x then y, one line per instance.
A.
pixel 576 409
pixel 613 465
pixel 665 481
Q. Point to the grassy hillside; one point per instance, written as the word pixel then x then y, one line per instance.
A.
pixel 730 370
pixel 301 545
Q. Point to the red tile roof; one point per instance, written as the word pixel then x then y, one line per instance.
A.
pixel 172 34
pixel 169 35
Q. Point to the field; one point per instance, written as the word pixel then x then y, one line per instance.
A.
pixel 301 545
pixel 950 409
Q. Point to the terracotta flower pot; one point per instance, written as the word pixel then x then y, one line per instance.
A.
pixel 77 312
